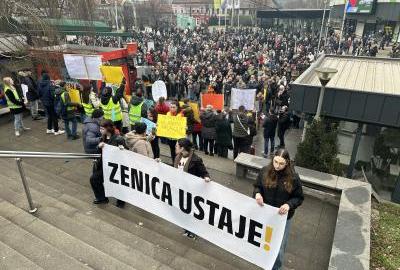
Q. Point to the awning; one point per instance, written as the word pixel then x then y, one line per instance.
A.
pixel 365 89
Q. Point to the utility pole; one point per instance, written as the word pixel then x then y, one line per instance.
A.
pixel 233 4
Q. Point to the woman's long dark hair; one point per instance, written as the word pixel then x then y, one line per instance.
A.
pixel 271 177
pixel 108 125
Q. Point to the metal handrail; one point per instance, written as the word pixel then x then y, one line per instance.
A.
pixel 18 155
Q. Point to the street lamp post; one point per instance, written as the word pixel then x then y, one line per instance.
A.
pixel 324 76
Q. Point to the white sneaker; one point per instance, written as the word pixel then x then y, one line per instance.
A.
pixel 59 132
pixel 50 131
pixel 26 128
pixel 17 134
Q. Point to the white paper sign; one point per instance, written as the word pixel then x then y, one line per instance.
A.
pixel 93 64
pixel 150 45
pixel 158 89
pixel 234 222
pixel 245 97
pixel 76 66
pixel 83 67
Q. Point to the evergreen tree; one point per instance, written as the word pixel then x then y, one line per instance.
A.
pixel 319 149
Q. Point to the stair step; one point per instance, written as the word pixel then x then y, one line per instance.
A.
pixel 75 248
pixel 10 259
pixel 73 224
pixel 165 235
pixel 35 249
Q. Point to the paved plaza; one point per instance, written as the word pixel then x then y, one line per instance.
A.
pixel 314 222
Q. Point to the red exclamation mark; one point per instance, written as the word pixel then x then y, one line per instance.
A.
pixel 268 238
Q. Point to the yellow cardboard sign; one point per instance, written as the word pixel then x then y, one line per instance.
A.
pixel 173 127
pixel 195 108
pixel 112 74
pixel 75 96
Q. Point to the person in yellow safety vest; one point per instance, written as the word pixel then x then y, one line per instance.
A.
pixel 137 109
pixel 90 102
pixel 69 112
pixel 15 103
pixel 110 104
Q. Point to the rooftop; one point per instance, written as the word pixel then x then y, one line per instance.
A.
pixel 364 74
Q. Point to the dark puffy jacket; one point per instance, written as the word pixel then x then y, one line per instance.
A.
pixel 208 121
pixel 32 93
pixel 46 92
pixel 269 126
pixel 91 135
pixel 190 121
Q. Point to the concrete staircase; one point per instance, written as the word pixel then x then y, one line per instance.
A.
pixel 69 232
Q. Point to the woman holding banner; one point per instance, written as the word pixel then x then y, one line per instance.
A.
pixel 187 161
pixel 278 185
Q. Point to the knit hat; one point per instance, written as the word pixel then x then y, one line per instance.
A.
pixel 97 113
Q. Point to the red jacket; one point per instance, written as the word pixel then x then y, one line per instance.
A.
pixel 162 108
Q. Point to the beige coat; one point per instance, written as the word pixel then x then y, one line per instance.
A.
pixel 139 144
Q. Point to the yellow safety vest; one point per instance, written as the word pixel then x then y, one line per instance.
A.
pixel 69 108
pixel 88 107
pixel 135 113
pixel 10 104
pixel 112 111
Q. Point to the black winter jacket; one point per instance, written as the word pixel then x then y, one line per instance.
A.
pixel 278 196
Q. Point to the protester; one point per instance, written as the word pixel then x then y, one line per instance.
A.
pixel 196 136
pixel 187 161
pixel 110 104
pixel 91 138
pixel 15 103
pixel 241 131
pixel 283 125
pixel 69 111
pixel 269 125
pixel 187 112
pixel 32 95
pixel 173 111
pixel 208 133
pixel 153 138
pixel 279 186
pixel 161 106
pixel 47 96
pixel 137 142
pixel 110 135
pixel 137 109
pixel 89 101
pixel 223 134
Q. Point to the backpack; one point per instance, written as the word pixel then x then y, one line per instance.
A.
pixel 59 106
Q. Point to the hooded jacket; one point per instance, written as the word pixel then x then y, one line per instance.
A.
pixel 190 121
pixel 138 143
pixel 91 135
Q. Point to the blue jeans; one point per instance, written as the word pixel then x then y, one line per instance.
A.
pixel 71 131
pixel 18 125
pixel 270 140
pixel 279 260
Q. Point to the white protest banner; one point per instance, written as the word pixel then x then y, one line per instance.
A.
pixel 218 214
pixel 158 89
pixel 84 67
pixel 245 97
